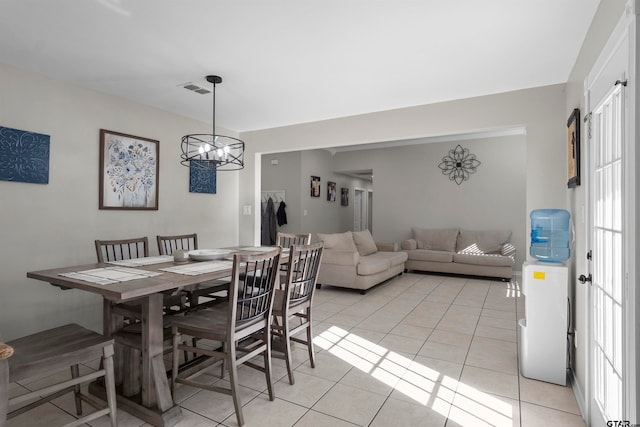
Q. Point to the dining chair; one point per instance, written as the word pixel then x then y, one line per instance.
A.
pixel 213 290
pixel 43 353
pixel 292 306
pixel 285 241
pixel 243 326
pixel 185 242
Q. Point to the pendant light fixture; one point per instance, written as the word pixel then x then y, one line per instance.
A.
pixel 212 151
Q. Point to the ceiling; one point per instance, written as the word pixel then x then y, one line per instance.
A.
pixel 293 61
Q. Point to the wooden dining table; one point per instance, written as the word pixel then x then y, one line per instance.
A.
pixel 154 404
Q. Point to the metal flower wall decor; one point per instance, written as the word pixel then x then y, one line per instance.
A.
pixel 459 163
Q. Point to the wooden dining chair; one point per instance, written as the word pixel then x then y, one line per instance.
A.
pixel 292 306
pixel 48 351
pixel 285 241
pixel 243 326
pixel 211 291
pixel 185 242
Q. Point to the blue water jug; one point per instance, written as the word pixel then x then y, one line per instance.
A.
pixel 550 235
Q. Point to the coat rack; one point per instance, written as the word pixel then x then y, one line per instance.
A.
pixel 276 195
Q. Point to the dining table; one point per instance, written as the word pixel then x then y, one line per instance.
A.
pixel 144 280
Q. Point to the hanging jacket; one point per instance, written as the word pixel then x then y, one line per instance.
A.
pixel 268 237
pixel 281 214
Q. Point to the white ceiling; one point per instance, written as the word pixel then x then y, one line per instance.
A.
pixel 293 61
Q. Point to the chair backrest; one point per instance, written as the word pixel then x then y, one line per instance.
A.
pixel 302 273
pixel 185 242
pixel 286 240
pixel 116 250
pixel 252 287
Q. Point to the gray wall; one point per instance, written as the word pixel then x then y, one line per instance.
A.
pixel 292 174
pixel 411 190
pixel 540 111
pixel 54 225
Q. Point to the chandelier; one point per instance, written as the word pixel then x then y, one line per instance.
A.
pixel 212 151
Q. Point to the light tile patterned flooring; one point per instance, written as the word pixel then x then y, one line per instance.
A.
pixel 418 350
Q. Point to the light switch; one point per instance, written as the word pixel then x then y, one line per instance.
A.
pixel 305 212
pixel 246 210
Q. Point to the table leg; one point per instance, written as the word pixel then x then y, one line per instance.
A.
pixel 155 386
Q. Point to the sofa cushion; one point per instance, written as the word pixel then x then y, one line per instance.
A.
pixel 436 239
pixel 489 260
pixel 482 242
pixel 394 258
pixel 429 255
pixel 364 242
pixel 372 264
pixel 340 241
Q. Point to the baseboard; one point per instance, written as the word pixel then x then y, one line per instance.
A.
pixel 578 394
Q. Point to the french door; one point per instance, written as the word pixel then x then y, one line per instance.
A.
pixel 611 337
pixel 607 290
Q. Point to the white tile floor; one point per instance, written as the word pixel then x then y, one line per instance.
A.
pixel 418 350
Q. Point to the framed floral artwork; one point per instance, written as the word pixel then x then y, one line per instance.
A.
pixel 128 171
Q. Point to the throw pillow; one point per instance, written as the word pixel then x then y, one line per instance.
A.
pixel 338 241
pixel 364 242
pixel 436 239
pixel 485 242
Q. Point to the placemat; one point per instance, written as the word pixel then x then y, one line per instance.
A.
pixel 138 262
pixel 197 268
pixel 110 275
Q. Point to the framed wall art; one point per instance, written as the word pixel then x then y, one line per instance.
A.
pixel 573 149
pixel 24 156
pixel 128 171
pixel 315 186
pixel 202 179
pixel 331 191
pixel 344 196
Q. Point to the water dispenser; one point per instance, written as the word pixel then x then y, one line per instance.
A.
pixel 550 235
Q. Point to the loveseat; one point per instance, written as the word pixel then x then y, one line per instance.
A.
pixel 354 260
pixel 465 252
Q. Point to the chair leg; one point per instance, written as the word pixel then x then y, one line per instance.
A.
pixel 312 352
pixel 286 344
pixel 267 361
pixel 75 373
pixel 233 379
pixel 110 383
pixel 174 359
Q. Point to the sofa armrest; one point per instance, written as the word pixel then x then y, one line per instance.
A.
pixel 387 247
pixel 338 257
pixel 508 250
pixel 409 245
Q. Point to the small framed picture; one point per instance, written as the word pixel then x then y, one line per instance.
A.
pixel 573 149
pixel 331 191
pixel 344 196
pixel 128 171
pixel 315 186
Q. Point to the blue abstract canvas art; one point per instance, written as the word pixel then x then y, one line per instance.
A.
pixel 24 156
pixel 202 179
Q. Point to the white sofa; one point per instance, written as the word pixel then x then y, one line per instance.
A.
pixel 466 252
pixel 354 260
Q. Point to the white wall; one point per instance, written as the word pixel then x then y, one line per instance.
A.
pixel 54 225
